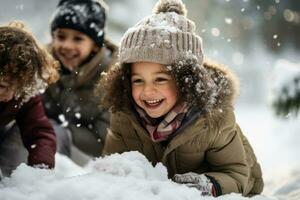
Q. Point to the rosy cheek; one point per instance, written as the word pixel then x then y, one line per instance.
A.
pixel 135 94
pixel 13 91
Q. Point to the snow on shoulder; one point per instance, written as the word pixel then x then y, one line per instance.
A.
pixel 119 176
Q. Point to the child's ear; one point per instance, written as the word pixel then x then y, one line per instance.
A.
pixel 96 48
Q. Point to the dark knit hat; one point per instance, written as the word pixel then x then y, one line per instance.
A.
pixel 166 37
pixel 86 16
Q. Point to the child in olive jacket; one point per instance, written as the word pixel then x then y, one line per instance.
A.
pixel 176 109
pixel 25 71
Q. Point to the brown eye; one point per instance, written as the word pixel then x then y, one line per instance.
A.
pixel 78 39
pixel 60 37
pixel 137 81
pixel 161 79
pixel 3 86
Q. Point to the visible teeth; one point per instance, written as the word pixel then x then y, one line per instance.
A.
pixel 68 57
pixel 153 101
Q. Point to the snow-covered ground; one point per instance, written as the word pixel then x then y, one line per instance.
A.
pixel 276 144
pixel 130 176
pixel 127 176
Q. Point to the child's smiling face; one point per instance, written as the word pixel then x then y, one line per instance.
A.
pixel 7 90
pixel 153 88
pixel 72 47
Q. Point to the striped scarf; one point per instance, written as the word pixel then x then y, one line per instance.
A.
pixel 161 129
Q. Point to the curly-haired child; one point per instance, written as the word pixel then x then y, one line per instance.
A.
pixel 26 70
pixel 175 109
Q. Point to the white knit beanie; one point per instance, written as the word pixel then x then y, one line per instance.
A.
pixel 164 37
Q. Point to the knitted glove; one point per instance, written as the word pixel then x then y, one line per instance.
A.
pixel 199 181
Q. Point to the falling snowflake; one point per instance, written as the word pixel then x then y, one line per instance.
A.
pixel 228 20
pixel 215 32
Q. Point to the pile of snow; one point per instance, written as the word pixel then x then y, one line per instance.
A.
pixel 119 176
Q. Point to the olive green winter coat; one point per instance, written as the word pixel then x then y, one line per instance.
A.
pixel 211 143
pixel 71 101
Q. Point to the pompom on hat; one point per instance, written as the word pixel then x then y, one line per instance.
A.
pixel 86 16
pixel 164 37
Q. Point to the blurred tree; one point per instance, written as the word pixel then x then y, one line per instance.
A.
pixel 288 99
pixel 279 26
pixel 285 96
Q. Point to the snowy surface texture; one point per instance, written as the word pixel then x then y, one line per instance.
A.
pixel 127 176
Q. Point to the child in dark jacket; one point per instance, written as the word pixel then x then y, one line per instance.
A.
pixel 80 44
pixel 25 71
pixel 176 109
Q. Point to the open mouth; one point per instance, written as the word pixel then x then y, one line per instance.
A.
pixel 69 60
pixel 153 103
pixel 68 56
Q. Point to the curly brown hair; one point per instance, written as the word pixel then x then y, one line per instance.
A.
pixel 24 60
pixel 194 84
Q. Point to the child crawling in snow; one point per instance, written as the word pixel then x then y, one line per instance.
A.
pixel 25 71
pixel 173 108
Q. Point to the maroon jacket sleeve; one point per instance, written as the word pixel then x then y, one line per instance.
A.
pixel 37 133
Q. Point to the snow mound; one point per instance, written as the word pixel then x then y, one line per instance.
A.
pixel 119 176
pixel 128 164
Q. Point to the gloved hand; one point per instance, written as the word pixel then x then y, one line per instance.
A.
pixel 199 181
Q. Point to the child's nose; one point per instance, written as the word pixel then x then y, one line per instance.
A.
pixel 149 89
pixel 67 44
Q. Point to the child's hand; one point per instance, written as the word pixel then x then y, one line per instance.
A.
pixel 199 181
pixel 41 166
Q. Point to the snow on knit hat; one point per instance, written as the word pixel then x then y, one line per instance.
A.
pixel 164 37
pixel 86 16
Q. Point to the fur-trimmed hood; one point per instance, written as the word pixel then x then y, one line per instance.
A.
pixel 225 85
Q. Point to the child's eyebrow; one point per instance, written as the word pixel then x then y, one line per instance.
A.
pixel 157 73
pixel 162 72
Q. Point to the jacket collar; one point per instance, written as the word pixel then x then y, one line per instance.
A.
pixel 182 135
